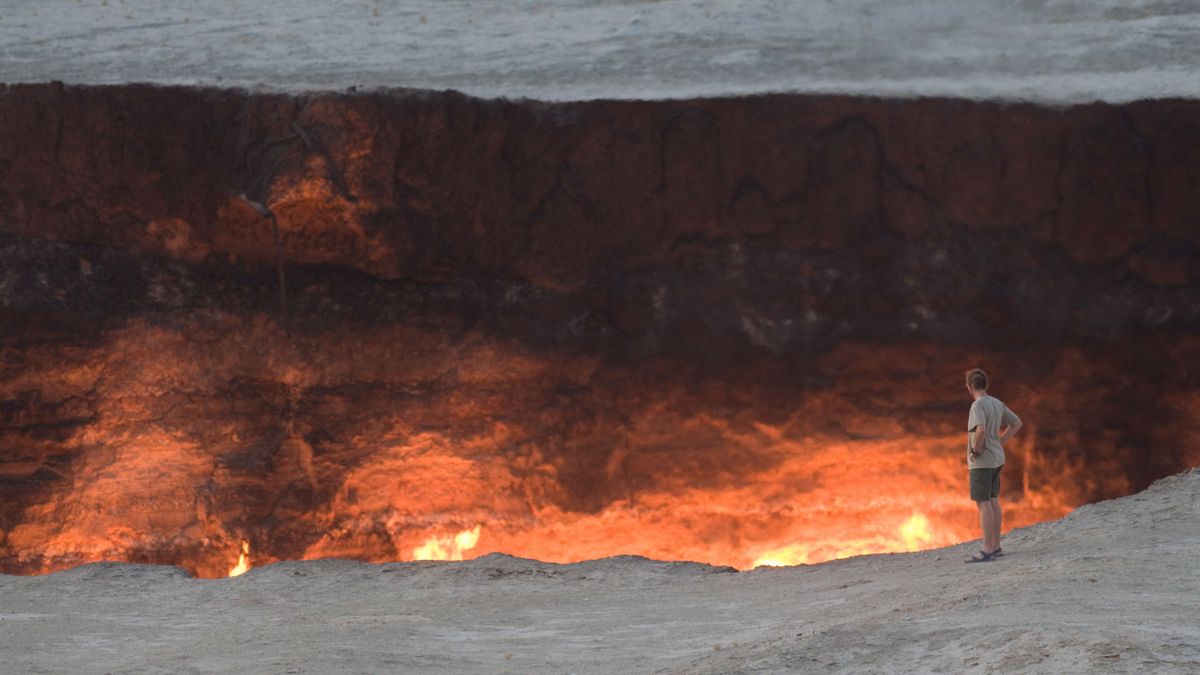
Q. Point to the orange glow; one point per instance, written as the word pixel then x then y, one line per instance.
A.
pixel 913 534
pixel 447 548
pixel 916 532
pixel 243 563
pixel 818 499
pixel 319 468
pixel 825 500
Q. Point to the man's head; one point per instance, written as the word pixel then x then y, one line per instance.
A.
pixel 977 381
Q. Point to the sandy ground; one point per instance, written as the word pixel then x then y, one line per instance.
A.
pixel 1044 50
pixel 1113 587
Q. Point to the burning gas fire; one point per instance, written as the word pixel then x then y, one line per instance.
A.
pixel 913 534
pixel 916 532
pixel 667 479
pixel 805 501
pixel 447 548
pixel 243 563
pixel 815 499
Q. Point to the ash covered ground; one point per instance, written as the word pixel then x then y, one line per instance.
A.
pixel 1042 50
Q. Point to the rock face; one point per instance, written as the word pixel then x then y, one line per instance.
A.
pixel 712 329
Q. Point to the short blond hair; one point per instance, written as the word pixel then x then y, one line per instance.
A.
pixel 977 379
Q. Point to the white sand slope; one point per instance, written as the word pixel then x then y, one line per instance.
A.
pixel 1113 587
pixel 1043 50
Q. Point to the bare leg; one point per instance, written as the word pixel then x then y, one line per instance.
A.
pixel 988 520
pixel 985 524
pixel 996 522
pixel 993 535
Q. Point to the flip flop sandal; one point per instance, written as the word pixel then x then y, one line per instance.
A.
pixel 998 553
pixel 981 557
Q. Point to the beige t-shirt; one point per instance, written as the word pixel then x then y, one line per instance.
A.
pixel 990 412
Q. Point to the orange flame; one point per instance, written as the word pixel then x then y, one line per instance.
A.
pixel 447 548
pixel 816 499
pixel 243 563
pixel 672 480
pixel 914 534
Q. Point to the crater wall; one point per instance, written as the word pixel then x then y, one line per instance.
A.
pixel 700 329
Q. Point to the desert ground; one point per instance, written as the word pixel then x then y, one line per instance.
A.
pixel 1058 51
pixel 1112 587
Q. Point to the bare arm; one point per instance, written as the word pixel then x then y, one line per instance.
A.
pixel 1010 424
pixel 977 443
pixel 1010 431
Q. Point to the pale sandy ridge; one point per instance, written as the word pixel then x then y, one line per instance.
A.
pixel 1058 51
pixel 1113 587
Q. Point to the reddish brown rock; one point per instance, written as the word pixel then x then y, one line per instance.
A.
pixel 1104 182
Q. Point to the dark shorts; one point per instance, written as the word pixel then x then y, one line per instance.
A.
pixel 985 484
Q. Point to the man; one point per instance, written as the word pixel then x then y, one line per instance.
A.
pixel 989 424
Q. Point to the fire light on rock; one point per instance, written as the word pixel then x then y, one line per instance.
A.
pixel 243 563
pixel 916 532
pixel 447 548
